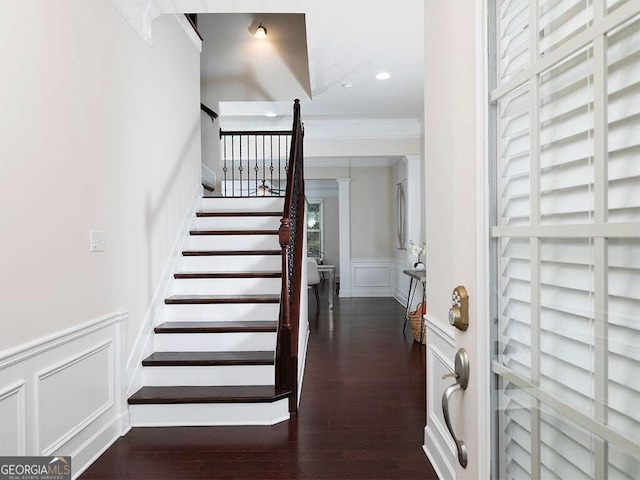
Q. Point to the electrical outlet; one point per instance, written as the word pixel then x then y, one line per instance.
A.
pixel 97 241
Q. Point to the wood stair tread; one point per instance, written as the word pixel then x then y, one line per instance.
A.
pixel 233 232
pixel 213 299
pixel 257 274
pixel 238 214
pixel 193 394
pixel 206 359
pixel 217 327
pixel 210 253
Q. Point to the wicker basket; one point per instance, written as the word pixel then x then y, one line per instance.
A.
pixel 415 318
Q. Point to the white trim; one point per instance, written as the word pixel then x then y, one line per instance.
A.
pixel 588 230
pixel 583 420
pixel 344 235
pixel 444 330
pixel 189 31
pixel 143 346
pixel 21 419
pixel 98 443
pixel 301 370
pixel 483 269
pixel 139 14
pixel 23 352
pixel 80 426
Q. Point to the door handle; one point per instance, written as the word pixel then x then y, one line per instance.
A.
pixel 462 381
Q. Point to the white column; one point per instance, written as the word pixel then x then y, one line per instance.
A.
pixel 344 233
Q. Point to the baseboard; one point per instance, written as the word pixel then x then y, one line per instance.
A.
pixel 95 446
pixel 64 393
pixel 304 363
pixel 143 346
pixel 371 292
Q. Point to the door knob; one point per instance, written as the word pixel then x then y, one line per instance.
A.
pixel 461 375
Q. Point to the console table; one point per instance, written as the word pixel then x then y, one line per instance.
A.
pixel 416 276
pixel 331 270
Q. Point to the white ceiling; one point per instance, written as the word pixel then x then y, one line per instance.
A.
pixel 348 41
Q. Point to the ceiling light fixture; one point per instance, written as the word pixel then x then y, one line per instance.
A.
pixel 270 114
pixel 348 85
pixel 383 76
pixel 261 32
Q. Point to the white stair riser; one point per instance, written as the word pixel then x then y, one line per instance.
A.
pixel 215 342
pixel 225 286
pixel 209 414
pixel 221 312
pixel 258 204
pixel 231 263
pixel 236 223
pixel 233 242
pixel 223 375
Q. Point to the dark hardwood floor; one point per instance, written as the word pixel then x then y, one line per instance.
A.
pixel 362 414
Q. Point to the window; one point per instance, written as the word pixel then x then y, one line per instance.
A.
pixel 315 237
pixel 566 109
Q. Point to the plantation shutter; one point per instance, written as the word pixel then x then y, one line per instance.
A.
pixel 567 238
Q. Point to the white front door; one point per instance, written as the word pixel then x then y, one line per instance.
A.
pixel 457 235
pixel 566 238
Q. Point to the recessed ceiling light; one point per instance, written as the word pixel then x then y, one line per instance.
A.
pixel 270 114
pixel 383 76
pixel 348 85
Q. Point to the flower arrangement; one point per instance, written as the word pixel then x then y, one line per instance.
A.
pixel 418 252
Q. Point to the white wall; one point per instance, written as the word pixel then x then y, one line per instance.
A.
pixel 371 226
pixel 453 34
pixel 99 131
pixel 372 214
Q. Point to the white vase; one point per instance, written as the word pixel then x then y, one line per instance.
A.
pixel 418 266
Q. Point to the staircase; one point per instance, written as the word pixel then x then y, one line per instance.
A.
pixel 214 349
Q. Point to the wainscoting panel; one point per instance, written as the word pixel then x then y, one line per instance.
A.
pixel 371 278
pixel 13 434
pixel 85 400
pixel 438 444
pixel 64 394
